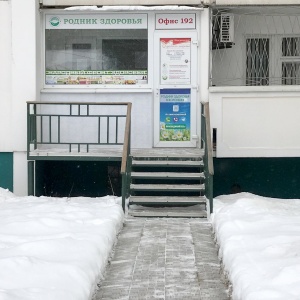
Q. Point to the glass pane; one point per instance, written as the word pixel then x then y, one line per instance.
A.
pixel 291 73
pixel 257 64
pixel 81 56
pixel 290 46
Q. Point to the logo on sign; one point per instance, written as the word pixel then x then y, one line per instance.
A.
pixel 54 21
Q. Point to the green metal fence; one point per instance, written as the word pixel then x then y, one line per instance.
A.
pixel 73 127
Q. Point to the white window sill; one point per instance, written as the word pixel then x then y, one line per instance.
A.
pixel 102 90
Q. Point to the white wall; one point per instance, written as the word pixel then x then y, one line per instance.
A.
pixel 260 121
pixel 5 75
pixel 20 173
pixel 256 2
pixel 257 123
pixel 142 111
pixel 23 66
pixel 23 82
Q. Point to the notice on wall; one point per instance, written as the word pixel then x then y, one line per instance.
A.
pixel 175 60
pixel 175 111
pixel 175 21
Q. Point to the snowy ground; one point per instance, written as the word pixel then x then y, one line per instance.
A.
pixel 259 241
pixel 55 248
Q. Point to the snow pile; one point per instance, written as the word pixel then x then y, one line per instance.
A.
pixel 259 241
pixel 55 248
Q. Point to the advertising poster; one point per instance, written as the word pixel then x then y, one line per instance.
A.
pixel 175 111
pixel 175 60
pixel 96 77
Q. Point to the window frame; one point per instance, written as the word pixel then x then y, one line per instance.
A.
pixel 289 59
pixel 268 37
pixel 91 87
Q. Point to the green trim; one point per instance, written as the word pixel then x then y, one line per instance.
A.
pixel 268 177
pixel 6 170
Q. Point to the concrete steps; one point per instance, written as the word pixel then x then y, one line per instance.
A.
pixel 166 184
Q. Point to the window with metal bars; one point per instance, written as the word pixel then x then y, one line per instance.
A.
pixel 257 62
pixel 290 50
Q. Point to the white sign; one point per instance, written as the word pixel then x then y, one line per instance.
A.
pixel 175 21
pixel 175 61
pixel 96 21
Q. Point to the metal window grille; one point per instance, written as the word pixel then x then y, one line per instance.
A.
pixel 257 70
pixel 253 46
pixel 291 60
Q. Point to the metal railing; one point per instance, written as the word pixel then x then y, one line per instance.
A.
pixel 206 144
pixel 81 127
pixel 126 165
pixel 74 126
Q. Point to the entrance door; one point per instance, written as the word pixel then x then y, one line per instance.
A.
pixel 175 97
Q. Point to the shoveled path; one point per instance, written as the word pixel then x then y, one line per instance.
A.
pixel 164 258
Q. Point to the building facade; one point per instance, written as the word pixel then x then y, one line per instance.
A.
pixel 164 57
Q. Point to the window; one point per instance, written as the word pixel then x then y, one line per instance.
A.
pixel 257 65
pixel 290 49
pixel 92 50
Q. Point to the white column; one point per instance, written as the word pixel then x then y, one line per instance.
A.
pixel 5 75
pixel 24 15
pixel 204 61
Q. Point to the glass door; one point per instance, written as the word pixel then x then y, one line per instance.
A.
pixel 175 89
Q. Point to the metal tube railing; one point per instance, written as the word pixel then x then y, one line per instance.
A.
pixel 51 133
pixel 206 143
pixel 36 110
pixel 125 166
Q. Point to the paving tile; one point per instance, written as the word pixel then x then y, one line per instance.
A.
pixel 164 258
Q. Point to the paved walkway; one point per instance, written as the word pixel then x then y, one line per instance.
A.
pixel 164 259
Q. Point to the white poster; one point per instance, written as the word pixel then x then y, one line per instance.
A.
pixel 175 61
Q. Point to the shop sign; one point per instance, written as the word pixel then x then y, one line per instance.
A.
pixel 95 77
pixel 175 111
pixel 175 21
pixel 175 61
pixel 96 21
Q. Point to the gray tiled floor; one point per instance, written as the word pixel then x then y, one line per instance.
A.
pixel 164 258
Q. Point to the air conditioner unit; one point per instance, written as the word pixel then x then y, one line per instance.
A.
pixel 227 28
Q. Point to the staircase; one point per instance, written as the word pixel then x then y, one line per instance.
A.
pixel 167 183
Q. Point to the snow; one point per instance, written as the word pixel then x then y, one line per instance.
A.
pixel 132 8
pixel 58 248
pixel 55 248
pixel 259 240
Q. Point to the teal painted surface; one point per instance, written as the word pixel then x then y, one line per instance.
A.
pixel 77 178
pixel 6 170
pixel 269 177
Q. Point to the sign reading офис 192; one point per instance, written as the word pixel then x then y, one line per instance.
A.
pixel 96 21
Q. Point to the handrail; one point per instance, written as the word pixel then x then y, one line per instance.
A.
pixel 35 124
pixel 78 103
pixel 208 139
pixel 208 150
pixel 45 126
pixel 126 145
pixel 125 166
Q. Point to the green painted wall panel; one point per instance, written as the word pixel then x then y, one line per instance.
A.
pixel 6 170
pixel 269 177
pixel 77 178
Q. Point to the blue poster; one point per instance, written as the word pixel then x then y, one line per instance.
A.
pixel 175 112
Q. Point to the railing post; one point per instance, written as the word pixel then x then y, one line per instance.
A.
pixel 124 188
pixel 31 178
pixel 206 143
pixel 125 165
